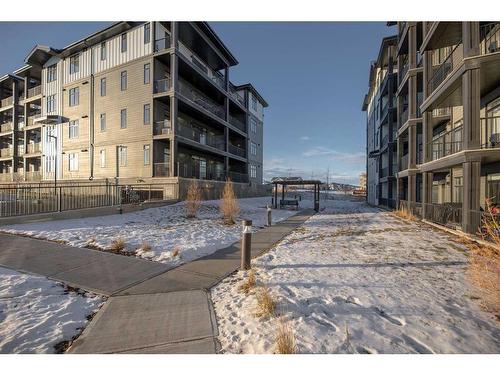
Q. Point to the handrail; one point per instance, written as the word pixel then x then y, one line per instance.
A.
pixel 446 144
pixel 161 85
pixel 490 38
pixel 162 44
pixel 446 67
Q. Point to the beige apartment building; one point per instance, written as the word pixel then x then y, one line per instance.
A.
pixel 134 102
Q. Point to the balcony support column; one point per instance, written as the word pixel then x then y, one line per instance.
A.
pixel 398 192
pixel 470 38
pixel 174 77
pixel 426 191
pixel 412 187
pixel 412 46
pixel 412 145
pixel 426 136
pixel 471 195
pixel 412 97
pixel 15 124
pixel 471 101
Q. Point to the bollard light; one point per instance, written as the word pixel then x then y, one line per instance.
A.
pixel 246 245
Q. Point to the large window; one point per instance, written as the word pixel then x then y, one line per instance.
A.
pixel 253 125
pixel 146 154
pixel 493 188
pixel 123 118
pixel 147 33
pixel 73 162
pixel 74 96
pixel 123 80
pixel 253 148
pixel 147 73
pixel 124 42
pixel 102 120
pixel 102 158
pixel 103 86
pixel 253 171
pixel 147 114
pixel 74 64
pixel 458 189
pixel 103 51
pixel 51 103
pixel 52 73
pixel 122 156
pixel 254 102
pixel 73 129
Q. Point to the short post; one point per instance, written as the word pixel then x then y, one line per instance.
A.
pixel 269 216
pixel 60 200
pixel 246 245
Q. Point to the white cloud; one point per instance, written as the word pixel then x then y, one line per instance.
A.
pixel 305 138
pixel 347 157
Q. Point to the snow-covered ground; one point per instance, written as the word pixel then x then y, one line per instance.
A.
pixel 173 238
pixel 37 313
pixel 394 286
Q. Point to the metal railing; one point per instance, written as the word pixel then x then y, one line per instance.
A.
pixel 6 102
pixel 186 129
pixel 161 169
pixel 200 170
pixel 4 152
pixel 384 172
pixel 439 112
pixel 236 95
pixel 34 91
pixel 385 140
pixel 414 208
pixel 420 99
pixel 162 44
pixel 161 85
pixel 6 127
pixel 403 117
pixel 237 123
pixel 235 150
pixel 402 26
pixel 33 176
pixel 403 162
pixel 490 132
pixel 201 99
pixel 162 127
pixel 446 67
pixel 404 68
pixel 446 144
pixel 490 38
pixel 33 148
pixel 238 177
pixel 449 214
pixel 384 110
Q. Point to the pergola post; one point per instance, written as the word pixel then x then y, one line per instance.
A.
pixel 275 195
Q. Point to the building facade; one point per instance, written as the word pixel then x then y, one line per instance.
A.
pixel 137 101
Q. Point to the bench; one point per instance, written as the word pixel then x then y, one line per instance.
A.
pixel 289 202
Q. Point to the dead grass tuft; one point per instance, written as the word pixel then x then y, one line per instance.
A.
pixel 285 338
pixel 265 303
pixel 117 245
pixel 175 252
pixel 249 283
pixel 193 200
pixel 229 207
pixel 146 247
pixel 404 213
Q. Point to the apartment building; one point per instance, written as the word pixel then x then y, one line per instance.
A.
pixel 448 110
pixel 380 106
pixel 134 102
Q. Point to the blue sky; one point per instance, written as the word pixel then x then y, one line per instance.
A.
pixel 313 75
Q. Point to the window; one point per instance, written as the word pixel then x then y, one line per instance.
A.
pixel 73 129
pixel 124 42
pixel 147 112
pixel 74 64
pixel 147 33
pixel 253 148
pixel 73 162
pixel 254 103
pixel 253 171
pixel 102 158
pixel 51 103
pixel 123 118
pixel 103 86
pixel 102 120
pixel 52 73
pixel 147 72
pixel 253 125
pixel 123 80
pixel 74 96
pixel 103 51
pixel 122 156
pixel 146 154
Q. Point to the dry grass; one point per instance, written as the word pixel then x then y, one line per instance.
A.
pixel 229 207
pixel 117 245
pixel 266 303
pixel 193 200
pixel 175 252
pixel 285 338
pixel 249 283
pixel 404 213
pixel 146 247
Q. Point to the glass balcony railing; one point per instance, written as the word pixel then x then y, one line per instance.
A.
pixel 33 148
pixel 191 130
pixel 403 162
pixel 236 95
pixel 34 91
pixel 6 152
pixel 161 85
pixel 162 44
pixel 235 150
pixel 201 99
pixel 446 144
pixel 440 112
pixel 238 177
pixel 237 123
pixel 6 127
pixel 6 102
pixel 162 127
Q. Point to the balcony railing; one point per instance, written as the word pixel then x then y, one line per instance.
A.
pixel 384 172
pixel 446 67
pixel 34 91
pixel 33 148
pixel 187 130
pixel 31 119
pixel 415 208
pixel 201 170
pixel 201 99
pixel 403 162
pixel 490 38
pixel 33 176
pixel 5 177
pixel 385 140
pixel 236 95
pixel 6 102
pixel 403 117
pixel 161 169
pixel 440 112
pixel 237 123
pixel 446 144
pixel 162 44
pixel 490 132
pixel 238 177
pixel 162 127
pixel 444 214
pixel 405 66
pixel 161 85
pixel 6 127
pixel 420 99
pixel 384 110
pixel 402 26
pixel 235 150
pixel 5 152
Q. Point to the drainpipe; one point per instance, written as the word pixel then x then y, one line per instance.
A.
pixel 91 115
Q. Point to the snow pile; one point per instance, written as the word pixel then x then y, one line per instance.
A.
pixel 172 238
pixel 37 313
pixel 354 279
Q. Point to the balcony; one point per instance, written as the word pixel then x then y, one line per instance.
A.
pixel 236 122
pixel 238 177
pixel 162 44
pixel 446 144
pixel 490 38
pixel 161 169
pixel 403 163
pixel 33 176
pixel 162 127
pixel 161 85
pixel 403 117
pixel 384 172
pixel 236 95
pixel 6 127
pixel 449 64
pixel 490 132
pixel 6 102
pixel 201 170
pixel 402 26
pixel 6 152
pixel 201 99
pixel 441 112
pixel 420 99
pixel 235 150
pixel 34 91
pixel 186 129
pixel 33 148
pixel 405 66
pixel 5 177
pixel 385 140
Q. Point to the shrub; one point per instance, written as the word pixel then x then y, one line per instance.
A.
pixel 249 283
pixel 285 338
pixel 193 199
pixel 117 245
pixel 265 303
pixel 229 207
pixel 145 247
pixel 404 212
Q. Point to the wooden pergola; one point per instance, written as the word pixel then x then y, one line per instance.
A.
pixel 298 182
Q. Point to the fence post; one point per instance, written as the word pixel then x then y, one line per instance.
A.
pixel 269 216
pixel 246 245
pixel 60 199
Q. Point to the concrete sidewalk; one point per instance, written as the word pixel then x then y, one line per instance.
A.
pixel 151 309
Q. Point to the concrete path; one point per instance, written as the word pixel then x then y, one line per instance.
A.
pixel 151 309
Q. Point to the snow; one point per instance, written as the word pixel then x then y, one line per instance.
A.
pixel 37 313
pixel 165 229
pixel 395 287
